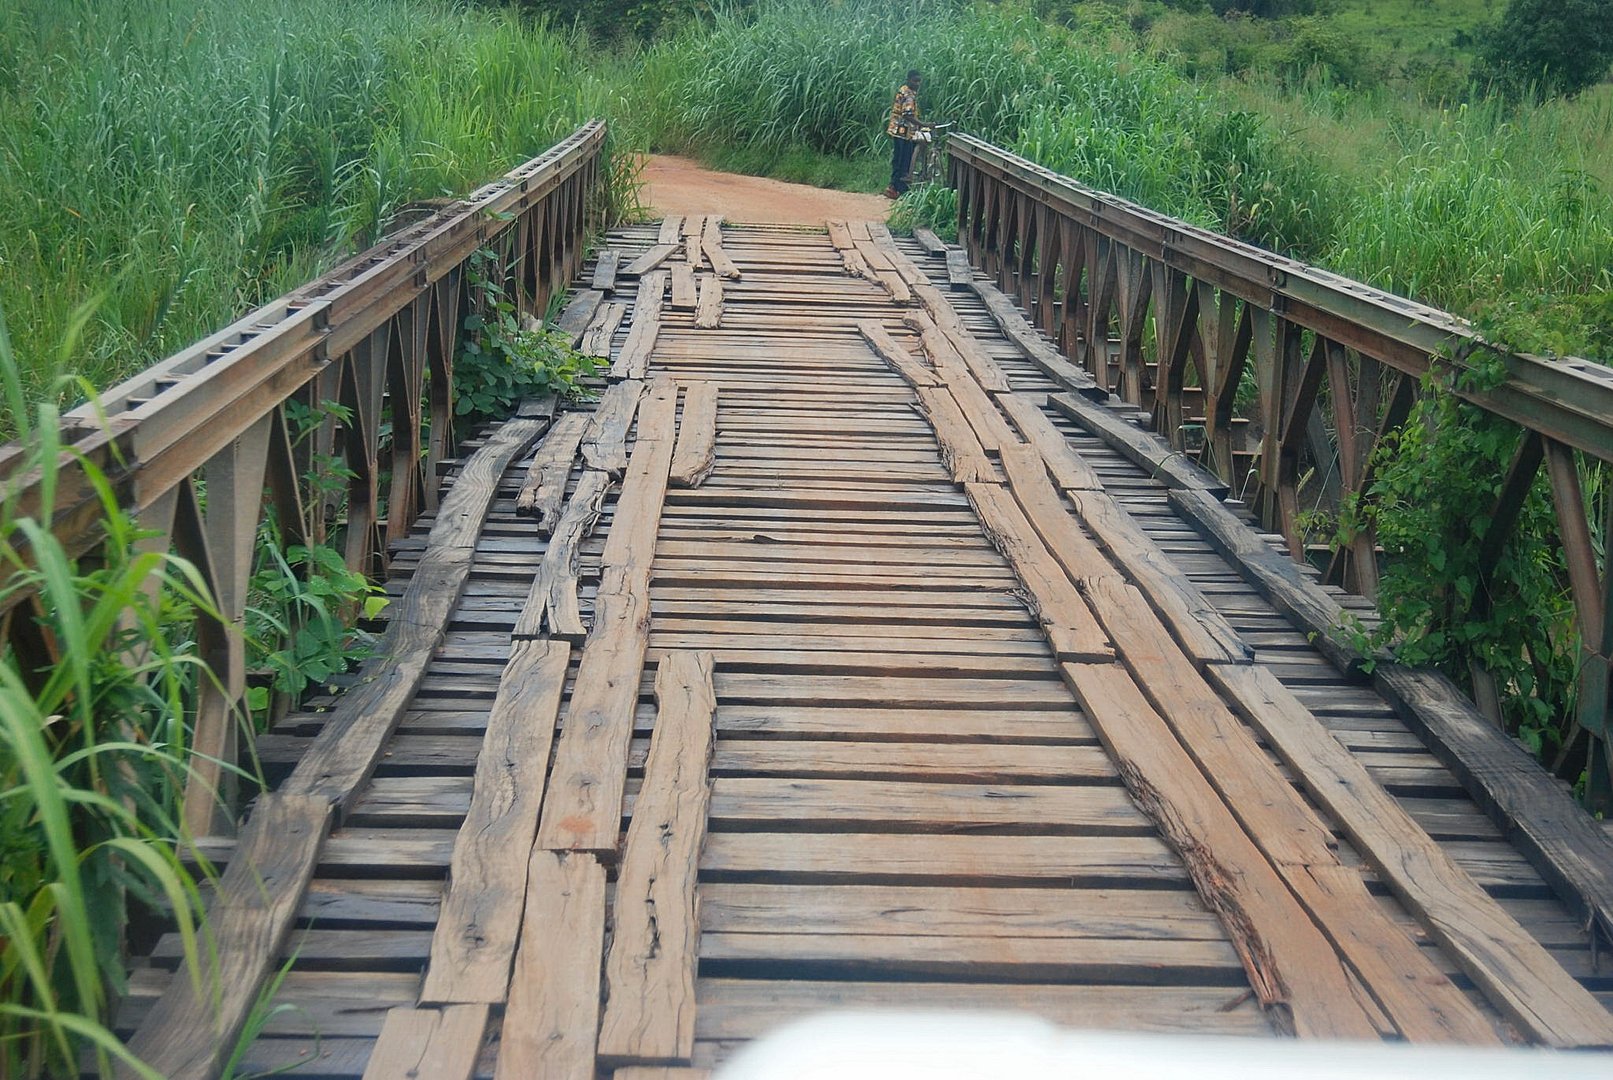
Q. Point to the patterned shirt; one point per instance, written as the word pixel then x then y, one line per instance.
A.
pixel 904 122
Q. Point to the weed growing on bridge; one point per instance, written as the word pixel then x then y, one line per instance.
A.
pixel 301 628
pixel 304 601
pixel 93 745
pixel 929 206
pixel 1443 606
pixel 502 362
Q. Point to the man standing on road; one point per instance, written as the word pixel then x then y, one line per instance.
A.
pixel 903 129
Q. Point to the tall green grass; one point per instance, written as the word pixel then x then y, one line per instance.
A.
pixel 92 762
pixel 182 160
pixel 796 72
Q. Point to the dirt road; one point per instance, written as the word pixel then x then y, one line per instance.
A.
pixel 675 185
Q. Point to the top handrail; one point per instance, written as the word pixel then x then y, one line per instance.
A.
pixel 163 423
pixel 1568 399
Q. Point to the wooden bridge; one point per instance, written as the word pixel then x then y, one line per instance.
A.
pixel 858 647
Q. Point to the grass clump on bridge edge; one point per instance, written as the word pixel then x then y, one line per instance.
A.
pixel 92 760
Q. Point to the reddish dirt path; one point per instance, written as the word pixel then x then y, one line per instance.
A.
pixel 675 185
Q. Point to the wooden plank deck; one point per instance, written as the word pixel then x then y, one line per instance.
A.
pixel 907 803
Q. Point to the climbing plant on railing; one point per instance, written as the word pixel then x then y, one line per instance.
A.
pixel 501 361
pixel 1438 479
pixel 303 599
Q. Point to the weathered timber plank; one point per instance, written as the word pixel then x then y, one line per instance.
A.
pixel 960 275
pixel 553 602
pixel 650 261
pixel 1555 834
pixel 850 257
pixel 711 244
pixel 978 409
pixel 671 230
pixel 1508 965
pixel 654 952
pixel 908 910
pixel 634 359
pixel 931 243
pixel 1070 470
pixel 1143 449
pixel 1293 969
pixel 861 233
pixel 545 486
pixel 195 1024
pixel 336 1003
pixel 885 244
pixel 605 270
pixel 826 759
pixel 747 1008
pixel 750 801
pixel 1119 848
pixel 1202 631
pixel 661 1072
pixel 1017 329
pixel 890 281
pixel 578 313
pixel 1275 576
pixel 475 938
pixel 1199 628
pixel 604 443
pixel 837 802
pixel 439 1043
pixel 696 450
pixel 1423 1005
pixel 537 408
pixel 708 309
pixel 949 338
pixel 962 958
pixel 965 458
pixel 684 293
pixel 552 1019
pixel 903 362
pixel 694 230
pixel 583 806
pixel 956 724
pixel 1049 593
pixel 596 341
pixel 814 690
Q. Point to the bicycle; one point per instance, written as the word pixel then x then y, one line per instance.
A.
pixel 927 153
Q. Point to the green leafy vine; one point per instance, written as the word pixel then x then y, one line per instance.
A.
pixel 502 362
pixel 1438 478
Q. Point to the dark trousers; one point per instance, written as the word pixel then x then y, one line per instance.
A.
pixel 901 163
